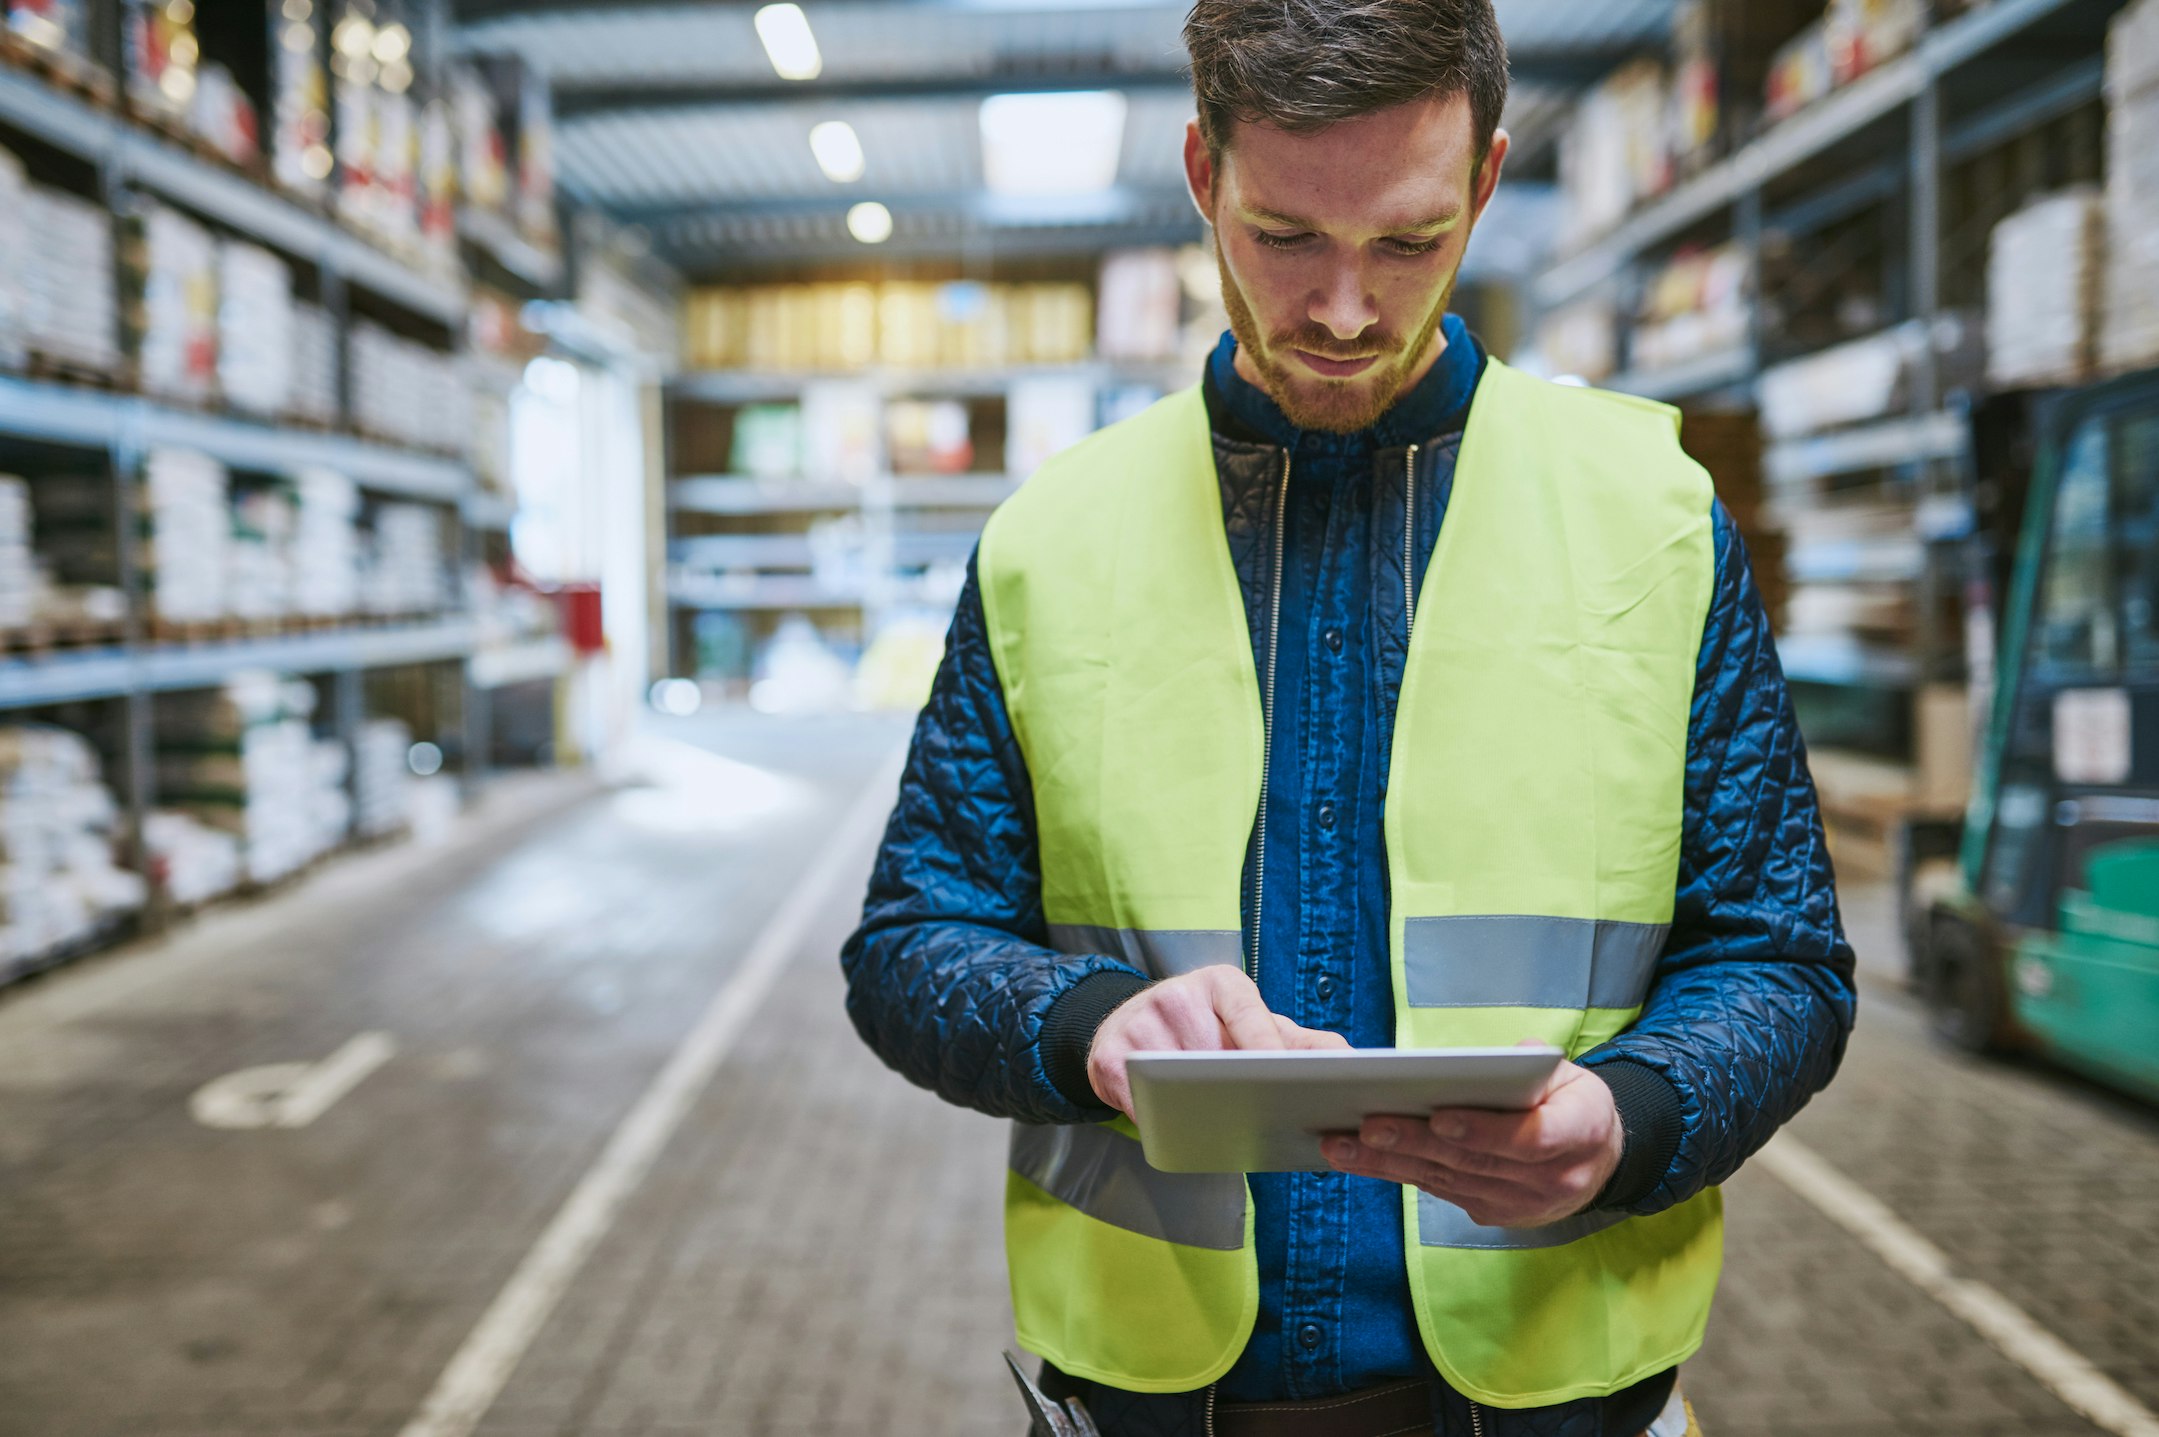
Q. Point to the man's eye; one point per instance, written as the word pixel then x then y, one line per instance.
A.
pixel 1412 247
pixel 1274 241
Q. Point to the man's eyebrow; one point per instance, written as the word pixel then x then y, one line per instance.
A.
pixel 1276 217
pixel 1262 215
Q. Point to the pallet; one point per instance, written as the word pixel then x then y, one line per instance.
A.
pixel 109 931
pixel 84 79
pixel 56 369
pixel 194 632
pixel 42 640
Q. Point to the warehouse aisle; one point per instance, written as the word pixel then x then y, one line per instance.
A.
pixel 158 1275
pixel 815 1249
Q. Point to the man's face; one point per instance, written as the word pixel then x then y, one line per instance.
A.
pixel 1339 250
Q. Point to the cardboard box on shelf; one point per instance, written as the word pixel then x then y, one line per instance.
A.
pixel 14 256
pixel 1582 340
pixel 2045 274
pixel 311 395
pixel 60 882
pixel 243 759
pixel 255 340
pixel 1616 152
pixel 2129 332
pixel 1699 304
pixel 325 545
pixel 186 497
pixel 69 303
pixel 175 261
pixel 162 54
pixel 901 324
pixel 300 157
pixel 382 777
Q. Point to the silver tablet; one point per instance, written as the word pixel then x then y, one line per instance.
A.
pixel 1264 1112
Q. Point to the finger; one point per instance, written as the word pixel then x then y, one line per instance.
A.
pixel 1348 1155
pixel 1245 1020
pixel 1106 1074
pixel 1294 1036
pixel 1490 1202
pixel 1414 1138
pixel 1569 1118
pixel 1345 1153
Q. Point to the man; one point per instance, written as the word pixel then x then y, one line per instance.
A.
pixel 1371 693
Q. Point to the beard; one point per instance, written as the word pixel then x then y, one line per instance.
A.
pixel 1311 401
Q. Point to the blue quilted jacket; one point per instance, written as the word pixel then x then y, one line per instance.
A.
pixel 951 981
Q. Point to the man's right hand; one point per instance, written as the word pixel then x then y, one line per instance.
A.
pixel 1205 1011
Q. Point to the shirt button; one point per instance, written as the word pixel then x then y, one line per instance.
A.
pixel 1326 815
pixel 1333 638
pixel 1324 987
pixel 1308 1336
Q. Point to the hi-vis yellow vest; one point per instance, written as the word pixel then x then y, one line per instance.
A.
pixel 1533 832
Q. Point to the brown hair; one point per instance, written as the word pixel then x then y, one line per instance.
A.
pixel 1302 65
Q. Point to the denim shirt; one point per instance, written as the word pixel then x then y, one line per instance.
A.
pixel 1335 1310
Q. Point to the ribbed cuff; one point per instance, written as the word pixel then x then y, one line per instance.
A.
pixel 1068 1031
pixel 1654 1119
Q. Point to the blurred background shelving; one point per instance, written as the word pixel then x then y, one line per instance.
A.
pixel 268 276
pixel 1874 233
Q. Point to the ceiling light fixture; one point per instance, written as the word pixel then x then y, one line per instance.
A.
pixel 785 31
pixel 1060 143
pixel 838 151
pixel 870 222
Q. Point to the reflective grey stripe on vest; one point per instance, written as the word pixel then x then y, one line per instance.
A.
pixel 1100 1171
pixel 1507 962
pixel 1158 952
pixel 1441 1224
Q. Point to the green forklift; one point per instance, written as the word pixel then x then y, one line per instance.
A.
pixel 2035 926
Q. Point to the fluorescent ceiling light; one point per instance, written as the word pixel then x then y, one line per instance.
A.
pixel 785 31
pixel 1054 144
pixel 839 153
pixel 870 222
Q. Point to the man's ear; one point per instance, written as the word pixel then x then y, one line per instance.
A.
pixel 1487 178
pixel 1199 173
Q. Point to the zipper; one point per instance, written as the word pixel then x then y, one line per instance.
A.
pixel 1476 1420
pixel 1210 1407
pixel 1409 539
pixel 1266 713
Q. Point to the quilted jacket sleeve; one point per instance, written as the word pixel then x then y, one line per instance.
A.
pixel 1753 998
pixel 948 978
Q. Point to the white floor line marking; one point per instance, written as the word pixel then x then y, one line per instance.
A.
pixel 333 1077
pixel 2064 1371
pixel 289 1095
pixel 491 1352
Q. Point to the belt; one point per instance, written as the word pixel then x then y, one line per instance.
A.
pixel 1395 1409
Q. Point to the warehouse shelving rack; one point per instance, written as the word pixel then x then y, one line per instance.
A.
pixel 122 428
pixel 1886 146
pixel 766 573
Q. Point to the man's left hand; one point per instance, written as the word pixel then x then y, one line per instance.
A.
pixel 1522 1169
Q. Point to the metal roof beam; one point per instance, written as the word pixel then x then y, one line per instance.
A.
pixel 482 12
pixel 1547 70
pixel 574 101
pixel 1116 205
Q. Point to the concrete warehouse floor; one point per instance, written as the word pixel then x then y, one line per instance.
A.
pixel 665 1218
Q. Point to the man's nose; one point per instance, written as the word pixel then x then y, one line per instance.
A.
pixel 1345 305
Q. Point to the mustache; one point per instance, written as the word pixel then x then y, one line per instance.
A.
pixel 1312 340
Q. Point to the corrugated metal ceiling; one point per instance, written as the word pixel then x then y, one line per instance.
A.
pixel 753 159
pixel 671 43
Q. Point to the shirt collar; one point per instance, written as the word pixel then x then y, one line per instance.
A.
pixel 1437 404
